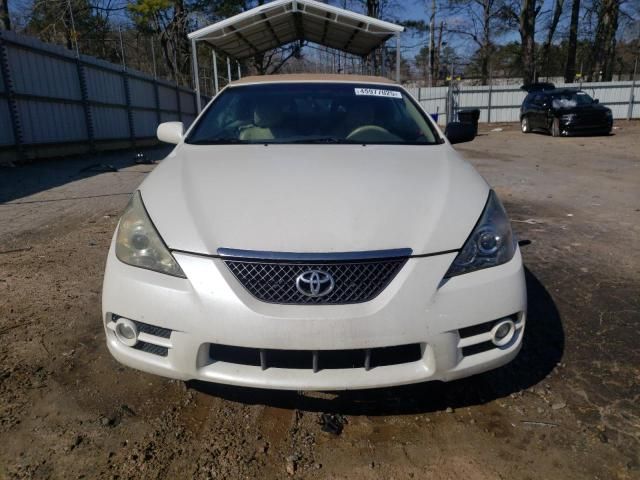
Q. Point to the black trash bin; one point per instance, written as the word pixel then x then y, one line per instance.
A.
pixel 470 116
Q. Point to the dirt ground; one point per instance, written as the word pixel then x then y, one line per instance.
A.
pixel 567 408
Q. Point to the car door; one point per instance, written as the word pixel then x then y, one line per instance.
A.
pixel 546 112
pixel 526 105
pixel 536 111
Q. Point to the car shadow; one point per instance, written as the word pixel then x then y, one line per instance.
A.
pixel 41 175
pixel 575 135
pixel 542 349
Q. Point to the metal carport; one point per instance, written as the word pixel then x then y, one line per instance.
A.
pixel 284 21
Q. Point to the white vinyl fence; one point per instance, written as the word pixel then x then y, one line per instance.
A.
pixel 502 103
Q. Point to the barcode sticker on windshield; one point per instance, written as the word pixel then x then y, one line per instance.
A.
pixel 374 92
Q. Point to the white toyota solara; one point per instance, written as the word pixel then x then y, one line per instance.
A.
pixel 314 233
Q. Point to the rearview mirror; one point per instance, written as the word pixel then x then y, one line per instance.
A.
pixel 595 100
pixel 457 132
pixel 170 132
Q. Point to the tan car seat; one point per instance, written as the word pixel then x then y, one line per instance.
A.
pixel 267 117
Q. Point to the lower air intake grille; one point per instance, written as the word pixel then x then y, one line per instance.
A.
pixel 318 359
pixel 151 348
pixel 354 281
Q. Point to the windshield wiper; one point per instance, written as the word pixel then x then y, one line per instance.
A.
pixel 320 140
pixel 217 141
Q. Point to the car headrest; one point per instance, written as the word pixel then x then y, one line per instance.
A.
pixel 268 114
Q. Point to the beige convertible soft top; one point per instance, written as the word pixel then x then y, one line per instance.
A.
pixel 312 77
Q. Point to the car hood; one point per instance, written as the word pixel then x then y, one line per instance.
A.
pixel 314 198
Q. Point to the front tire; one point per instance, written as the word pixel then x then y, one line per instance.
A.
pixel 524 125
pixel 555 127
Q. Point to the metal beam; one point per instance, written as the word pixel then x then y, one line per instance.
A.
pixel 352 37
pixel 297 20
pixel 228 70
pixel 243 39
pixel 270 28
pixel 398 57
pixel 196 74
pixel 215 71
pixel 326 28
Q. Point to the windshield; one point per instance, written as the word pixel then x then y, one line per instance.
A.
pixel 571 99
pixel 313 113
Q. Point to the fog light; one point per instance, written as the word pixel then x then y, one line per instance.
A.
pixel 502 332
pixel 127 332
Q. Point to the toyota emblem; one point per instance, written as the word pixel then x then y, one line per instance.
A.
pixel 315 283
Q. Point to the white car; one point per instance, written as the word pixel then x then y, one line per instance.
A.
pixel 314 233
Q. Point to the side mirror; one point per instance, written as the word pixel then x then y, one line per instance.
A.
pixel 170 132
pixel 457 132
pixel 595 100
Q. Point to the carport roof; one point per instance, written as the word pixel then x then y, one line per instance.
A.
pixel 284 21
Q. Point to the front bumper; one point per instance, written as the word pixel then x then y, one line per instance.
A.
pixel 211 307
pixel 584 127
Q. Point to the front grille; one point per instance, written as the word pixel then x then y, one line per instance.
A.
pixel 355 281
pixel 316 360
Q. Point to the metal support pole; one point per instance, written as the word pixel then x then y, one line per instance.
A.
pixel 398 57
pixel 214 59
pixel 153 58
pixel 228 70
pixel 84 92
pixel 178 102
pixel 74 32
pixel 12 103
pixel 124 61
pixel 196 76
pixel 239 71
pixel 489 104
pixel 632 92
pixel 156 95
pixel 431 43
pixel 490 93
pixel 129 106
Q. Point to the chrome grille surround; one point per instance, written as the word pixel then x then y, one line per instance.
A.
pixel 271 277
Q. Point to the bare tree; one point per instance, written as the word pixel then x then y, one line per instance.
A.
pixel 272 61
pixel 528 15
pixel 525 13
pixel 436 64
pixel 170 22
pixel 572 46
pixel 5 21
pixel 373 10
pixel 553 25
pixel 483 24
pixel 601 60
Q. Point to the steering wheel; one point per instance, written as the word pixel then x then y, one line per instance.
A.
pixel 367 133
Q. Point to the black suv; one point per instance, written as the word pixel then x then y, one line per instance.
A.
pixel 563 111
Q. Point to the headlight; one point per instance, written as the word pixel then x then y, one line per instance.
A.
pixel 569 117
pixel 491 242
pixel 138 242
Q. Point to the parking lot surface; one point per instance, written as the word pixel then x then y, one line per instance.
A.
pixel 568 407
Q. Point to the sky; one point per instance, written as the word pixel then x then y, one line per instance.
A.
pixel 401 10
